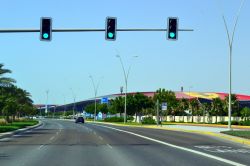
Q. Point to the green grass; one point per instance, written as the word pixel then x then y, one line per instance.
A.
pixel 8 128
pixel 17 125
pixel 243 134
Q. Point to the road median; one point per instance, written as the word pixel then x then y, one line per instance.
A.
pixel 18 128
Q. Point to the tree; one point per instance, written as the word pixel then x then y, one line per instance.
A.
pixel 117 105
pixel 182 105
pixel 194 107
pixel 102 108
pixel 235 105
pixel 140 103
pixel 90 108
pixel 206 107
pixel 169 97
pixel 15 101
pixel 245 113
pixel 217 107
pixel 5 81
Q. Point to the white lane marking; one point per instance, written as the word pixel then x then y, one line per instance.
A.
pixel 175 146
pixel 57 133
pixel 5 139
pixel 52 138
pixel 18 135
pixel 100 138
pixel 109 146
pixel 40 147
pixel 222 149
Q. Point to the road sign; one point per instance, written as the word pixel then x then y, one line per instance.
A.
pixel 164 106
pixel 104 100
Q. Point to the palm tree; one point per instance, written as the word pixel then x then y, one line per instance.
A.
pixel 194 106
pixel 182 105
pixel 235 105
pixel 206 107
pixel 217 107
pixel 5 81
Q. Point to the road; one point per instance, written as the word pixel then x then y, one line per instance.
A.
pixel 64 143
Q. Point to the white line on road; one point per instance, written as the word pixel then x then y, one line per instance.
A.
pixel 100 138
pixel 52 138
pixel 5 139
pixel 40 147
pixel 175 146
pixel 109 146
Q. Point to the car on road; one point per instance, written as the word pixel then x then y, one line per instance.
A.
pixel 79 120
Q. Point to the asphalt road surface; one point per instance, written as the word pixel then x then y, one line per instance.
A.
pixel 64 143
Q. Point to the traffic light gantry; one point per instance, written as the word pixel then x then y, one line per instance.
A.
pixel 110 29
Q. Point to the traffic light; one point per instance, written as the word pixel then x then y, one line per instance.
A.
pixel 110 30
pixel 46 29
pixel 172 28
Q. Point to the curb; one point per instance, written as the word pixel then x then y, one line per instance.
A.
pixel 218 135
pixel 211 125
pixel 9 134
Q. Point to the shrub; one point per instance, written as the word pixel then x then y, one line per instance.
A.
pixel 148 120
pixel 245 123
pixel 130 118
pixel 114 119
pixel 3 122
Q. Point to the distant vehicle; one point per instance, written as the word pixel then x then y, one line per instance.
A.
pixel 79 120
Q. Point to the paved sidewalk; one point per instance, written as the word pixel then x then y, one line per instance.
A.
pixel 197 128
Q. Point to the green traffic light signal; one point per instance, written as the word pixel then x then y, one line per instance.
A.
pixel 110 35
pixel 45 35
pixel 172 34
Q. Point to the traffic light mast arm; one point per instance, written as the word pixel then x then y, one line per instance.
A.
pixel 83 30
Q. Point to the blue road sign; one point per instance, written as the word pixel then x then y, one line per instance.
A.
pixel 104 100
pixel 164 106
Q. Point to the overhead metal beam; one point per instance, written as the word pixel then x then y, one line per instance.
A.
pixel 82 30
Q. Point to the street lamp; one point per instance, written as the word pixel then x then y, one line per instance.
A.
pixel 126 85
pixel 95 91
pixel 64 106
pixel 74 98
pixel 47 97
pixel 230 44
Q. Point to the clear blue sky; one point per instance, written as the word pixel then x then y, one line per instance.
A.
pixel 198 59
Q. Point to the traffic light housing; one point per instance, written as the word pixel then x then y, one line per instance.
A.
pixel 46 29
pixel 110 30
pixel 172 32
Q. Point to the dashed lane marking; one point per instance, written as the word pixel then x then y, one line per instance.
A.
pixel 175 146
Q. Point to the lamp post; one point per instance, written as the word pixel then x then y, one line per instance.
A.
pixel 47 97
pixel 95 87
pixel 230 44
pixel 64 106
pixel 74 98
pixel 126 84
